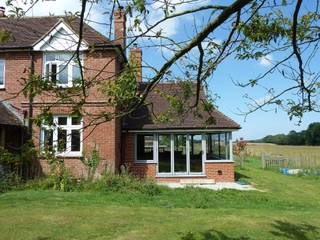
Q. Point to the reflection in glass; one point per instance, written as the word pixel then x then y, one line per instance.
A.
pixel 180 153
pixel 164 153
pixel 195 153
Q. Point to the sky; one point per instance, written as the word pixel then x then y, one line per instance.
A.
pixel 231 101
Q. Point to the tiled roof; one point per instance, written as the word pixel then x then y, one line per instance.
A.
pixel 27 31
pixel 8 117
pixel 142 119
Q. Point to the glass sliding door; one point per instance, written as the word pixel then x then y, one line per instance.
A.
pixel 164 157
pixel 180 153
pixel 195 141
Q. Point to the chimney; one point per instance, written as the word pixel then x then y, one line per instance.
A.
pixel 2 12
pixel 120 27
pixel 136 59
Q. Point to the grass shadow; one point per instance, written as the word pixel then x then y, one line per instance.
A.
pixel 211 234
pixel 239 175
pixel 295 231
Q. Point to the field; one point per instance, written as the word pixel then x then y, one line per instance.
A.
pixel 256 149
pixel 286 207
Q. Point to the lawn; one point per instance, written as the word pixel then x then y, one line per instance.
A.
pixel 286 208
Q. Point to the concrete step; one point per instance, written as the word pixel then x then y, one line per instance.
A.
pixel 197 181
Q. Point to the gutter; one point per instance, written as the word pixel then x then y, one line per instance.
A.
pixel 15 49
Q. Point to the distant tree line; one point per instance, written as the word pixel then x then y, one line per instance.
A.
pixel 311 136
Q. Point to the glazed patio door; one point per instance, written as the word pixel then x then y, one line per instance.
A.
pixel 180 154
pixel 195 142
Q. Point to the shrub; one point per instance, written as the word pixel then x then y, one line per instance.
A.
pixel 91 162
pixel 8 181
pixel 125 183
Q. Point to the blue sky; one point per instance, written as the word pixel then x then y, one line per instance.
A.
pixel 257 124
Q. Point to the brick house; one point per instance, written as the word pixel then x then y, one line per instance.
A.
pixel 182 149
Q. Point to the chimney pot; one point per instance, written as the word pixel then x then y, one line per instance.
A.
pixel 2 12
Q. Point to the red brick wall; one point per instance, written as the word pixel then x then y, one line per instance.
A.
pixel 213 171
pixel 140 170
pixel 16 66
pixel 106 137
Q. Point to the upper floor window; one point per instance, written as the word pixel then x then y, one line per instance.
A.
pixel 64 137
pixel 2 72
pixel 62 68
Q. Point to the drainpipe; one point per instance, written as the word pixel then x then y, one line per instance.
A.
pixel 122 149
pixel 30 116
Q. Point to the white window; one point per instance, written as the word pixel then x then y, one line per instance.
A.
pixel 145 147
pixel 62 68
pixel 64 137
pixel 218 146
pixel 2 72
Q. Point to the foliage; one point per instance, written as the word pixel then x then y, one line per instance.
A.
pixel 122 92
pixel 5 36
pixel 91 162
pixel 239 148
pixel 311 137
pixel 120 183
pixel 8 181
pixel 128 183
pixel 60 178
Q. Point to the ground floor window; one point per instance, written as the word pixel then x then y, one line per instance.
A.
pixel 144 147
pixel 63 137
pixel 218 146
pixel 182 153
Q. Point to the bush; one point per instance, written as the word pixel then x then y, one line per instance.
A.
pixel 122 183
pixel 129 183
pixel 8 181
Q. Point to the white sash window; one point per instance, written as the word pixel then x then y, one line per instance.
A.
pixel 64 137
pixel 62 68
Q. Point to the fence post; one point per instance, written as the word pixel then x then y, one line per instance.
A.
pixel 263 161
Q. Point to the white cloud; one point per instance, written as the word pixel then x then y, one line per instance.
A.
pixel 172 26
pixel 264 99
pixel 59 7
pixel 266 60
pixel 44 8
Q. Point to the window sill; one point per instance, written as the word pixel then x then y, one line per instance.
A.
pixel 219 161
pixel 180 175
pixel 144 161
pixel 70 155
pixel 2 88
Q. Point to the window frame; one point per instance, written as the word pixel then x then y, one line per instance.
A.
pixel 68 127
pixel 228 147
pixel 70 64
pixel 154 147
pixel 2 86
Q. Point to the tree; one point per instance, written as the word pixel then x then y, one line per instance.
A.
pixel 240 149
pixel 247 29
pixel 313 134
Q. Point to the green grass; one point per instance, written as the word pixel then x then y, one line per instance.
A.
pixel 286 208
pixel 256 149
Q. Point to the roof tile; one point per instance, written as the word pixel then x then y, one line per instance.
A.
pixel 27 31
pixel 143 118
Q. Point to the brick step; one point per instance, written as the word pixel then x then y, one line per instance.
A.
pixel 194 181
